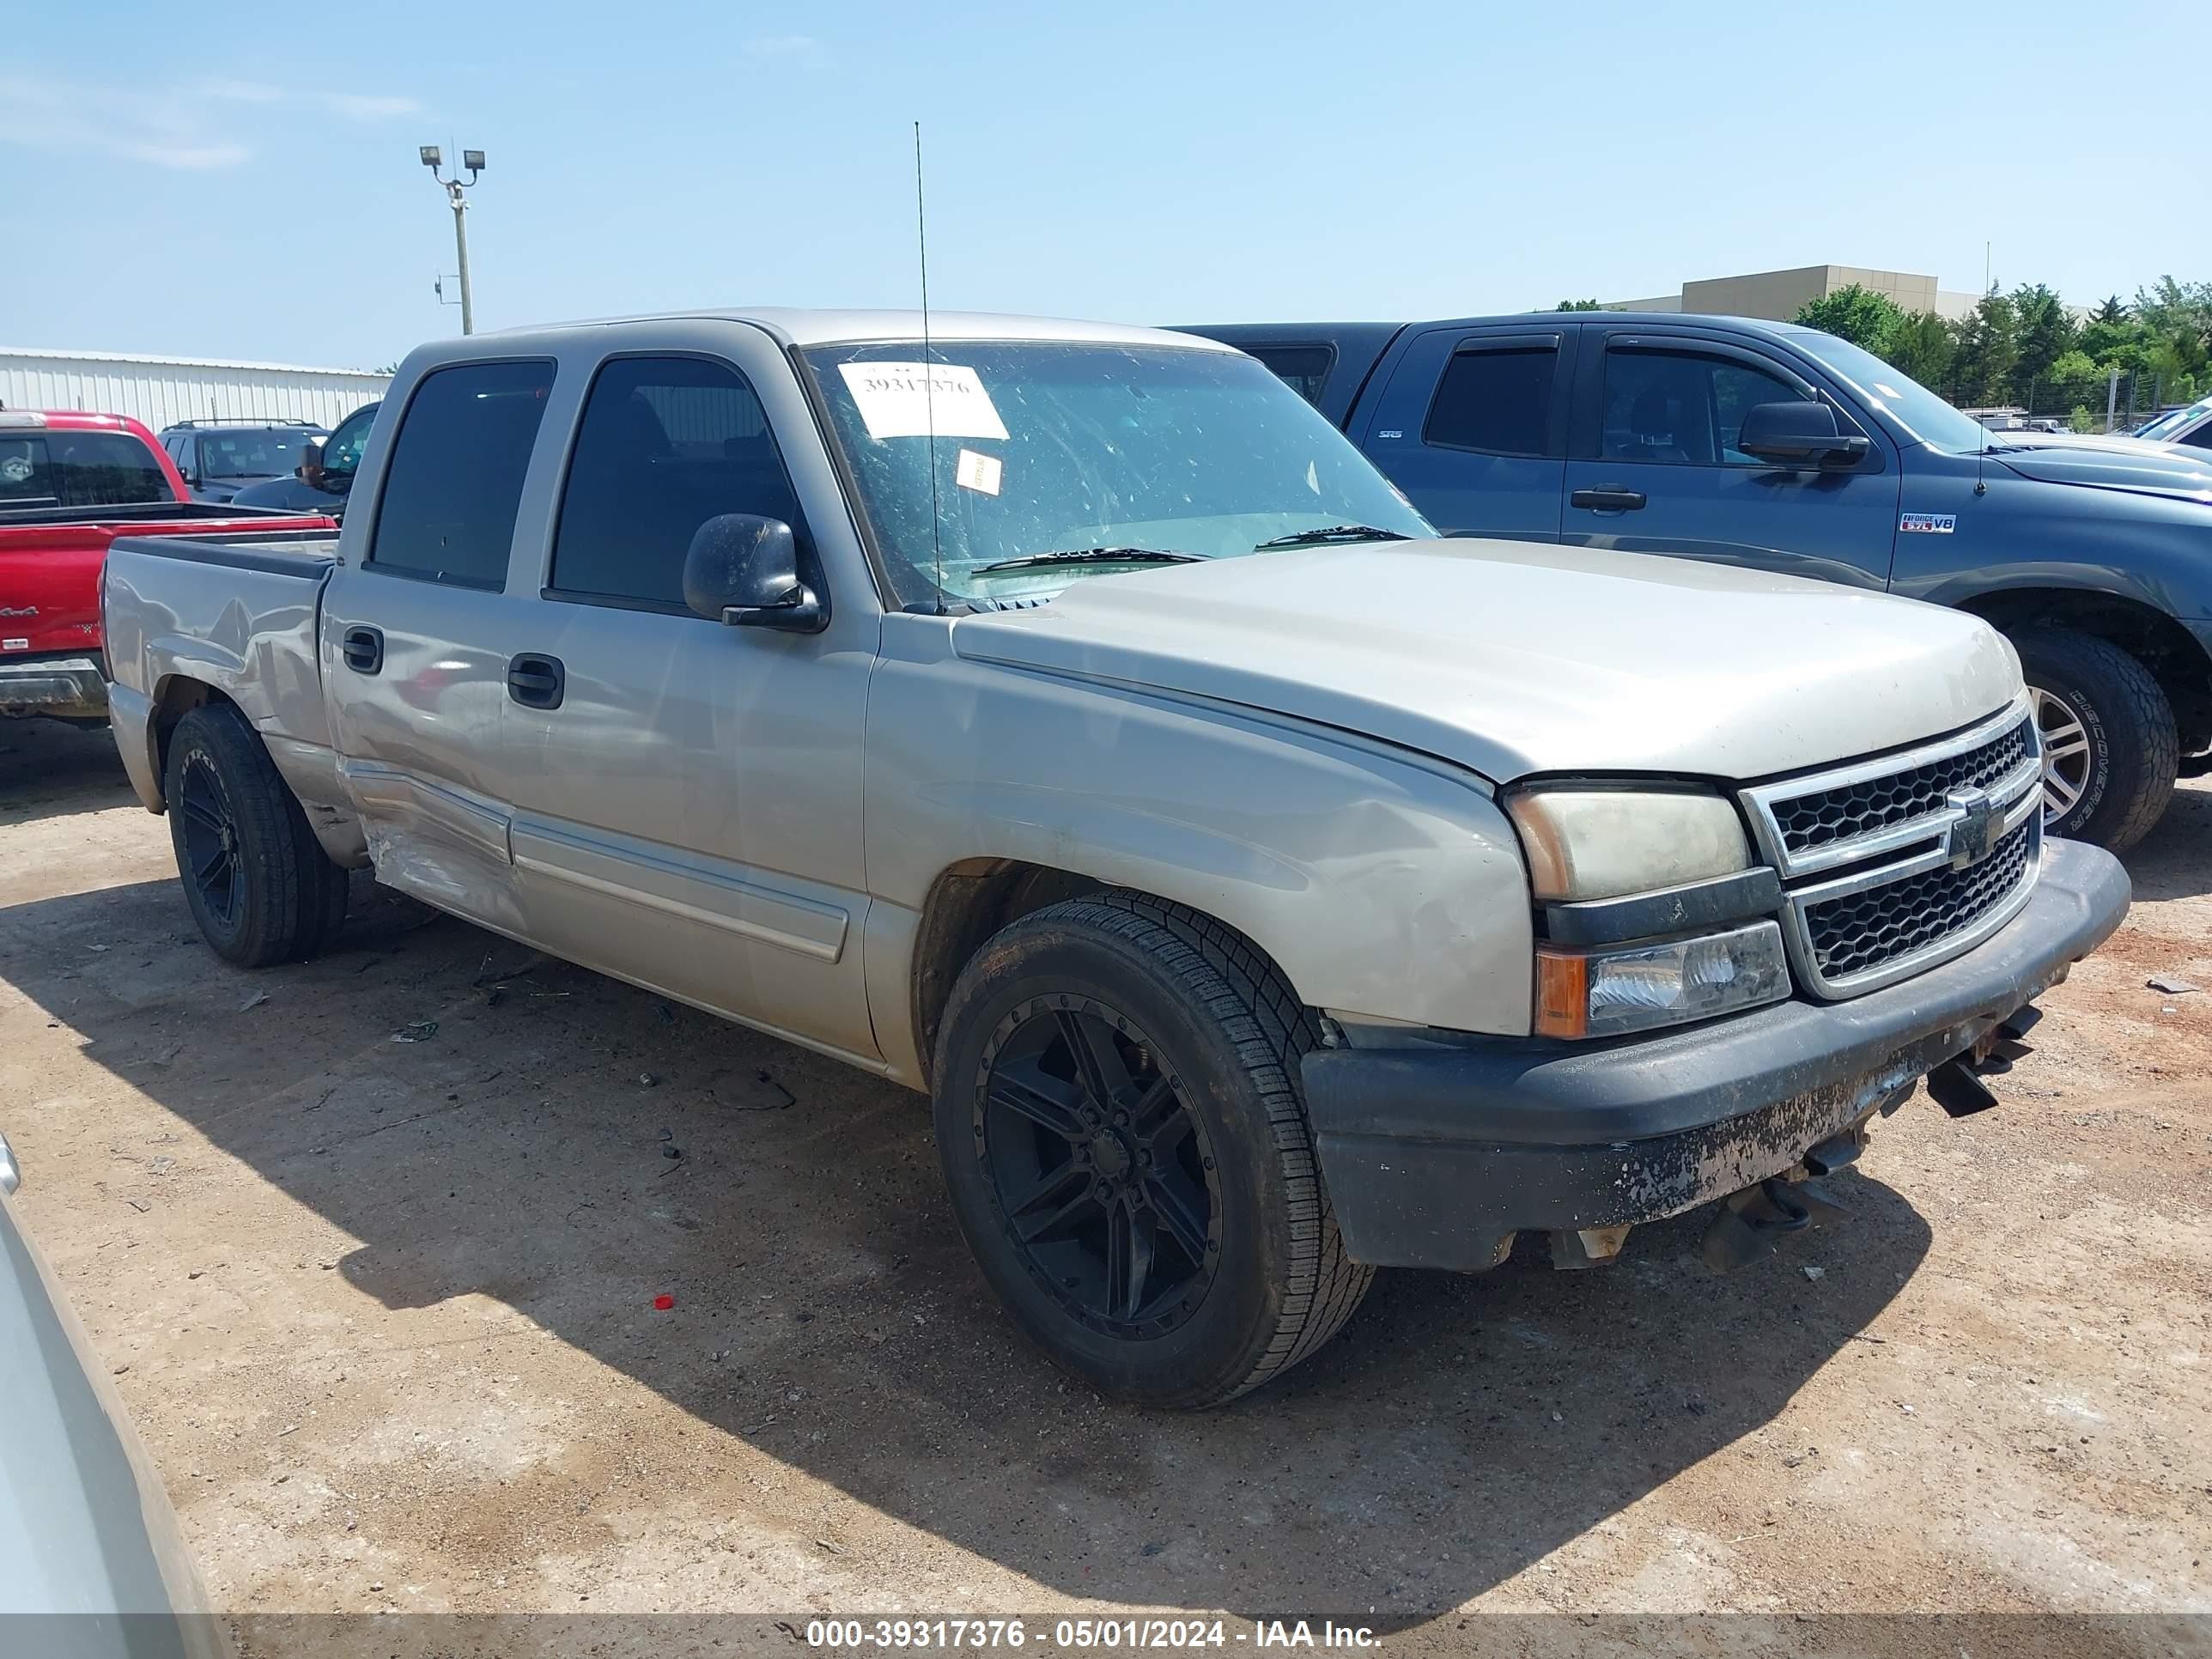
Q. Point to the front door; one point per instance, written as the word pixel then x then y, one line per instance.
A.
pixel 1654 466
pixel 688 795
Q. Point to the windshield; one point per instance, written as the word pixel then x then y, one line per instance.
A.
pixel 1112 452
pixel 1922 414
pixel 2174 419
pixel 254 454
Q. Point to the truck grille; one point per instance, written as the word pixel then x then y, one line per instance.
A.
pixel 1861 930
pixel 1826 815
pixel 1893 865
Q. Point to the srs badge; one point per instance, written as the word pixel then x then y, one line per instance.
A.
pixel 1929 523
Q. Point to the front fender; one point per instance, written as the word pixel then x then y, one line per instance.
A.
pixel 1382 884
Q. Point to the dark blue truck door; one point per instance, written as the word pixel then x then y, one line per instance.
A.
pixel 1653 466
pixel 1471 424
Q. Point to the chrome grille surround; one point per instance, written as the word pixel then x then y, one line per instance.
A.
pixel 1914 819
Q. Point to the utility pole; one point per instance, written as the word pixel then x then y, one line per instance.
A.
pixel 2112 402
pixel 473 159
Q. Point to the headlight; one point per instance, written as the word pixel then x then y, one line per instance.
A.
pixel 1602 843
pixel 1607 992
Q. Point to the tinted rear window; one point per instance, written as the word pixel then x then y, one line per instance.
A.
pixel 1304 368
pixel 59 468
pixel 455 481
pixel 1498 402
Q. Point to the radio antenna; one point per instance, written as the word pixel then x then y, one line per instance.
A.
pixel 928 373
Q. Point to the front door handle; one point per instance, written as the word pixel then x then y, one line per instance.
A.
pixel 1608 499
pixel 363 650
pixel 536 681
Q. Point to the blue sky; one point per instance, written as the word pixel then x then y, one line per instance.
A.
pixel 240 181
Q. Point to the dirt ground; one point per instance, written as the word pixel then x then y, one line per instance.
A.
pixel 383 1311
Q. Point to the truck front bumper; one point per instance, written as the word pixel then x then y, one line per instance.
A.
pixel 65 688
pixel 1434 1155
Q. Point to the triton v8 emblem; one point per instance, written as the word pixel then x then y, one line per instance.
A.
pixel 1975 835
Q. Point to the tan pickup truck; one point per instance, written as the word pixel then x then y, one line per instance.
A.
pixel 1065 720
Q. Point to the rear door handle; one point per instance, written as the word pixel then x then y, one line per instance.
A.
pixel 536 681
pixel 363 650
pixel 1609 499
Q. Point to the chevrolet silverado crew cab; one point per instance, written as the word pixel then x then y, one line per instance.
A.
pixel 1778 447
pixel 1066 720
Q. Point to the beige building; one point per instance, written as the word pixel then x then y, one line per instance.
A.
pixel 1778 296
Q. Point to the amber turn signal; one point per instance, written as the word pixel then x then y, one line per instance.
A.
pixel 1562 993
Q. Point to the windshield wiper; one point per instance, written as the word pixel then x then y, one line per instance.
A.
pixel 1334 533
pixel 1091 555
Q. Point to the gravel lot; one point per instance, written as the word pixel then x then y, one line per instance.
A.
pixel 383 1311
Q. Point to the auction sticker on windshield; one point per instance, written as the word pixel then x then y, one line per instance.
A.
pixel 911 400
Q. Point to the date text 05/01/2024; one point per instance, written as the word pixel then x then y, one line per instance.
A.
pixel 1085 1635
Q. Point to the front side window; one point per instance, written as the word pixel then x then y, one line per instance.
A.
pixel 1066 448
pixel 454 483
pixel 666 443
pixel 1682 408
pixel 58 467
pixel 1498 401
pixel 343 452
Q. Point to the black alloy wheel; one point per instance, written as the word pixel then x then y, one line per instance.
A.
pixel 211 840
pixel 1098 1169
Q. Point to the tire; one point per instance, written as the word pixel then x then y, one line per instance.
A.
pixel 1234 1271
pixel 2131 749
pixel 257 881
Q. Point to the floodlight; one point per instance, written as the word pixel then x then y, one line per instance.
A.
pixel 472 160
pixel 431 157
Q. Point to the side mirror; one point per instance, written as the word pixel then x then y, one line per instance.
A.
pixel 743 571
pixel 1797 431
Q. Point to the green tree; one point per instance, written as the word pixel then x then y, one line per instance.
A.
pixel 1855 314
pixel 2179 317
pixel 1578 305
pixel 1985 350
pixel 2114 310
pixel 2043 332
pixel 1920 347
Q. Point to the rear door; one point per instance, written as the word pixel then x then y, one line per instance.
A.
pixel 1472 425
pixel 688 795
pixel 1655 468
pixel 416 638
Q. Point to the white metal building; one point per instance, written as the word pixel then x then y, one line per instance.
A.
pixel 161 390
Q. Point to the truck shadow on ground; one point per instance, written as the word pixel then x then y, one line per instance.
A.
pixel 826 1311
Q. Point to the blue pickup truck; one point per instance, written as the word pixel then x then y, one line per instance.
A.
pixel 1758 443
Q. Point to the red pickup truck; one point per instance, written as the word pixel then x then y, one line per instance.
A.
pixel 70 483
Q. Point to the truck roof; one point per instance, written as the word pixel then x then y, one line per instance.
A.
pixel 1339 331
pixel 806 328
pixel 72 419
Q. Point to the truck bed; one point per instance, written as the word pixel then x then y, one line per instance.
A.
pixel 236 613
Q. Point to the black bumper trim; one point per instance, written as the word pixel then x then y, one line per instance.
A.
pixel 1433 1153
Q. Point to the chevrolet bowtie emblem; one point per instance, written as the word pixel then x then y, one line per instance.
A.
pixel 1974 836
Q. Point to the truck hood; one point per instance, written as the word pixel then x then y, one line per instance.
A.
pixel 2109 463
pixel 1513 658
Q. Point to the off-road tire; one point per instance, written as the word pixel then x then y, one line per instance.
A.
pixel 291 898
pixel 2135 748
pixel 1223 1021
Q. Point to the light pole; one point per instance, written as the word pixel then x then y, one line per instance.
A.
pixel 473 159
